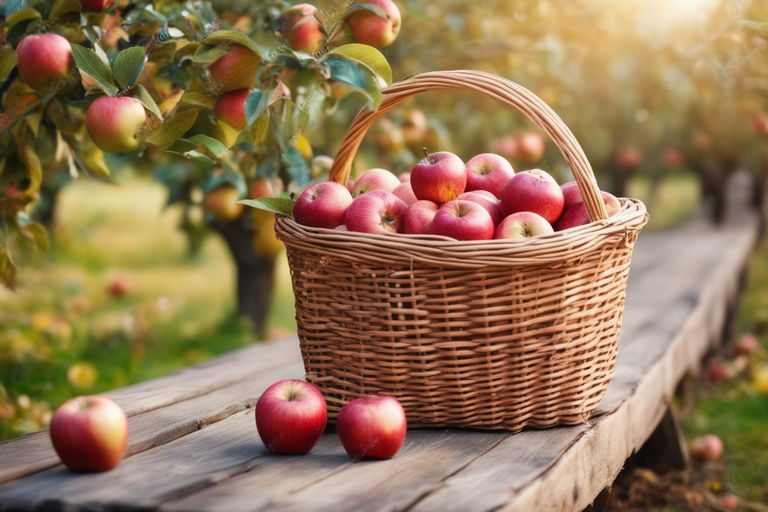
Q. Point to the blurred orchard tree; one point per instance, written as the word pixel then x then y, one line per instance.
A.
pixel 214 98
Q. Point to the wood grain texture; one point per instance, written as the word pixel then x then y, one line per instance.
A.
pixel 34 452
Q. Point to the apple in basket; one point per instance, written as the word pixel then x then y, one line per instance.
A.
pixel 378 212
pixel 463 220
pixel 523 225
pixel 372 427
pixel 439 177
pixel 374 179
pixel 488 171
pixel 533 191
pixel 487 200
pixel 290 416
pixel 322 205
pixel 418 217
pixel 576 214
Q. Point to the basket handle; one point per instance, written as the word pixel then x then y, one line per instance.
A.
pixel 498 88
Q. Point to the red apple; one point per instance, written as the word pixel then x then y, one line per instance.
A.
pixel 673 157
pixel 405 192
pixel 488 171
pixel 746 344
pixel 418 218
pixel 290 416
pixel 114 123
pixel 485 199
pixel 406 176
pixel 730 502
pixel 530 147
pixel 378 211
pixel 463 220
pixel 266 187
pixel 372 427
pixel 629 157
pixel 576 214
pixel 533 191
pixel 236 69
pixel 523 225
pixel 374 179
pixel 716 371
pixel 322 205
pixel 89 433
pixel 369 28
pixel 230 108
pixel 43 59
pixel 760 124
pixel 120 286
pixel 571 194
pixel 440 177
pixel 96 5
pixel 707 448
pixel 301 28
pixel 221 203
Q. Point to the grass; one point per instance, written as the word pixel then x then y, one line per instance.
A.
pixel 62 334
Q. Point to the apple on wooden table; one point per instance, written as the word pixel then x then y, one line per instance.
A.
pixel 372 427
pixel 89 433
pixel 290 416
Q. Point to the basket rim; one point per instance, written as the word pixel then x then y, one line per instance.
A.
pixel 434 249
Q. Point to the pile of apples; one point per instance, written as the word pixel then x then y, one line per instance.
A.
pixel 481 200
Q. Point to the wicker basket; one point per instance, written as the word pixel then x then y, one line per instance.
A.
pixel 499 334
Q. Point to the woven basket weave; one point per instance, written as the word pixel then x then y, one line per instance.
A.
pixel 498 334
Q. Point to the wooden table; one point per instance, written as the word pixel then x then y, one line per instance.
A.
pixel 194 446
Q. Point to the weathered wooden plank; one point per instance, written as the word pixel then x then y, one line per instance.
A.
pixel 34 452
pixel 572 479
pixel 283 483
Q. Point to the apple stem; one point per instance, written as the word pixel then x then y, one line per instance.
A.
pixel 426 153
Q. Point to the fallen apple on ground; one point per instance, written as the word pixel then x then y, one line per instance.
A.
pixel 89 433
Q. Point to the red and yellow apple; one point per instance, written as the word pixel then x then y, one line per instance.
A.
pixel 488 171
pixel 377 212
pixel 235 69
pixel 301 28
pixel 230 108
pixel 372 427
pixel 43 59
pixel 290 416
pixel 221 203
pixel 115 123
pixel 439 177
pixel 369 28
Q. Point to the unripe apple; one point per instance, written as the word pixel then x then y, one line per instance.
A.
pixel 113 123
pixel 302 29
pixel 43 59
pixel 265 242
pixel 321 166
pixel 369 28
pixel 230 108
pixel 96 5
pixel 220 203
pixel 236 69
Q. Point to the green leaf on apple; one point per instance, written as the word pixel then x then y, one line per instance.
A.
pixel 375 9
pixel 279 205
pixel 141 94
pixel 25 14
pixel 367 56
pixel 91 64
pixel 256 104
pixel 357 77
pixel 61 7
pixel 206 54
pixel 215 147
pixel 128 65
pixel 173 129
pixel 265 51
pixel 7 62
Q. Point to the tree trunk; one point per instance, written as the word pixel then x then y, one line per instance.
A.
pixel 255 275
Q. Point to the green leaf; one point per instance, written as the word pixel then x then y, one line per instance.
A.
pixel 206 54
pixel 264 48
pixel 296 167
pixel 62 7
pixel 215 147
pixel 256 104
pixel 173 129
pixel 128 65
pixel 34 168
pixel 358 78
pixel 92 65
pixel 141 94
pixel 378 11
pixel 37 234
pixel 7 269
pixel 279 205
pixel 198 99
pixel 367 56
pixel 260 127
pixel 7 62
pixel 25 14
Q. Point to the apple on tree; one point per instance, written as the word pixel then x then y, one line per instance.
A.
pixel 230 108
pixel 377 29
pixel 301 28
pixel 236 69
pixel 439 177
pixel 372 427
pixel 89 433
pixel 290 416
pixel 114 124
pixel 96 5
pixel 530 147
pixel 221 203
pixel 43 59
